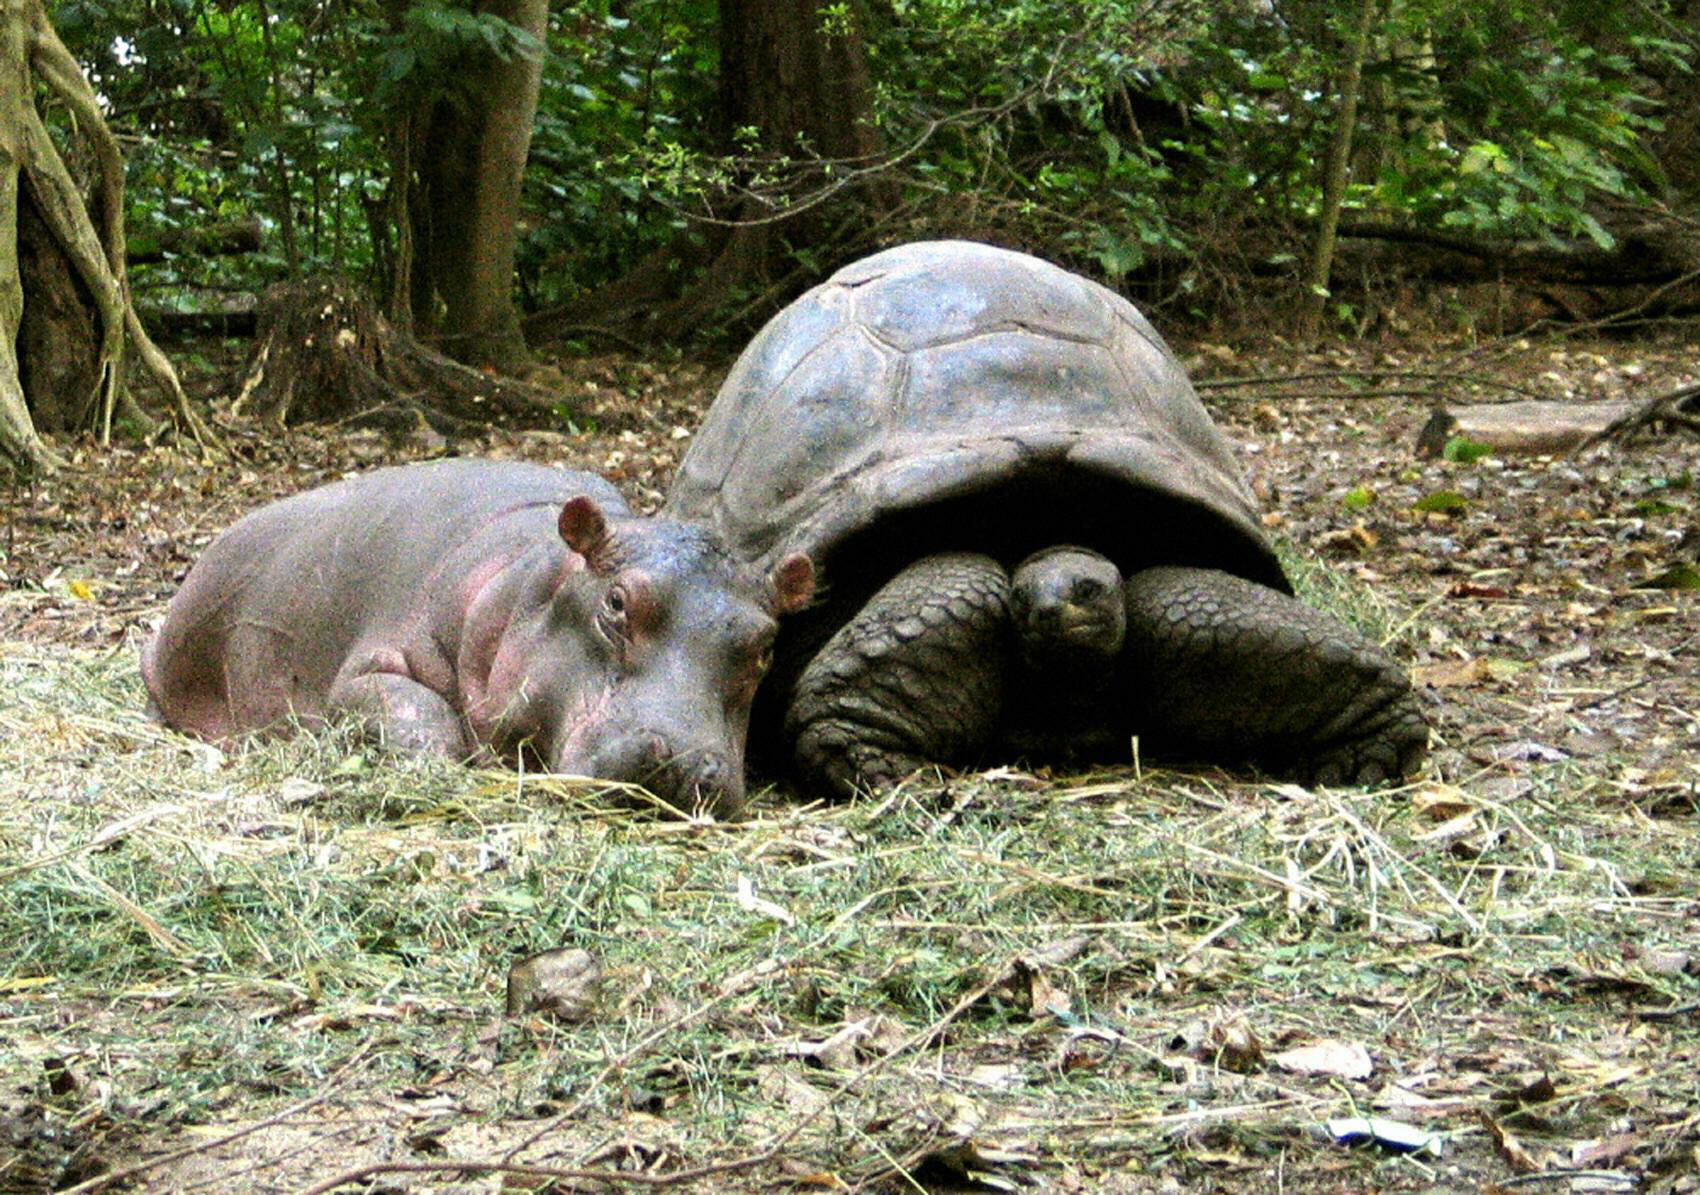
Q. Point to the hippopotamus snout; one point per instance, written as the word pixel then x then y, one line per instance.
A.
pixel 692 779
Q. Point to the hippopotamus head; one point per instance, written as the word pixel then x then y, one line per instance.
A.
pixel 635 656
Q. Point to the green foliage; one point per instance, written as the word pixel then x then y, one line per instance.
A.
pixel 279 110
pixel 1024 110
pixel 626 90
pixel 1681 576
pixel 1542 112
pixel 1119 136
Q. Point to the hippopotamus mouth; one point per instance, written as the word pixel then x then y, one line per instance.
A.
pixel 692 780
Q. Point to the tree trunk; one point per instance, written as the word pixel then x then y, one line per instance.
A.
pixel 59 335
pixel 465 218
pixel 1334 175
pixel 18 436
pixel 798 80
pixel 64 301
pixel 797 73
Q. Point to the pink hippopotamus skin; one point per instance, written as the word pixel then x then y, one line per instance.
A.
pixel 481 610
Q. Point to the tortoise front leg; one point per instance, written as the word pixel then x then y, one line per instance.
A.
pixel 1231 669
pixel 916 677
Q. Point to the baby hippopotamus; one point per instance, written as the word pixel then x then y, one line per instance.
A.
pixel 480 609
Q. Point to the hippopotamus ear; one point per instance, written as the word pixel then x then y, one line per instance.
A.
pixel 793 583
pixel 585 530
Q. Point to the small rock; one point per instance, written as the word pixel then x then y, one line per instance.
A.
pixel 563 983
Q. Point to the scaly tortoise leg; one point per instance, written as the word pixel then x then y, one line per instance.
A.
pixel 1233 669
pixel 915 678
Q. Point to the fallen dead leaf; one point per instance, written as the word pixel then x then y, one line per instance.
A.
pixel 1329 1056
pixel 1455 827
pixel 1512 1151
pixel 1229 1044
pixel 1604 1153
pixel 760 905
pixel 1452 674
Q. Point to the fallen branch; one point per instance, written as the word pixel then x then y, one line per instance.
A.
pixel 1536 427
pixel 1379 375
pixel 1677 408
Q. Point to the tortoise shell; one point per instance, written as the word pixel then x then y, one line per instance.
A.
pixel 953 395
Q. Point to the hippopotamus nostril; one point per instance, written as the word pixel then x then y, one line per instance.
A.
pixel 709 776
pixel 688 777
pixel 699 780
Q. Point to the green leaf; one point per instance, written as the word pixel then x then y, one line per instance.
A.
pixel 352 765
pixel 1677 576
pixel 1442 502
pixel 1597 232
pixel 398 64
pixel 1358 498
pixel 1465 451
pixel 1652 506
pixel 1481 156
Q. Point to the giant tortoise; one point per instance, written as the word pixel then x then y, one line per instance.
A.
pixel 1033 539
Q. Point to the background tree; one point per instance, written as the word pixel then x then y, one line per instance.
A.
pixel 692 163
pixel 792 123
pixel 63 340
pixel 458 159
pixel 1335 167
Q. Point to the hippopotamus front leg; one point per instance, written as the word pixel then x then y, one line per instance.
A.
pixel 407 714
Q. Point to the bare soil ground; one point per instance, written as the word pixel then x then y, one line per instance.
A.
pixel 1134 980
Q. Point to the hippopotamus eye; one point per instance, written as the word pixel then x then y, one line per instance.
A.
pixel 761 653
pixel 612 620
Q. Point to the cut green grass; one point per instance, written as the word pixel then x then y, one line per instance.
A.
pixel 1005 974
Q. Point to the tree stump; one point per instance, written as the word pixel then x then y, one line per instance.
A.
pixel 323 353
